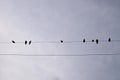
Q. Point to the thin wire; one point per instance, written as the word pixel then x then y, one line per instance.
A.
pixel 115 40
pixel 79 55
pixel 46 42
pixel 60 42
pixel 5 42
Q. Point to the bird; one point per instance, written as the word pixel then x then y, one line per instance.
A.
pixel 97 41
pixel 83 40
pixel 61 41
pixel 25 42
pixel 13 41
pixel 92 40
pixel 109 40
pixel 30 42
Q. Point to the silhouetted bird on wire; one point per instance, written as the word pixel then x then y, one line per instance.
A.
pixel 109 40
pixel 83 40
pixel 97 41
pixel 92 40
pixel 30 42
pixel 25 42
pixel 61 41
pixel 13 41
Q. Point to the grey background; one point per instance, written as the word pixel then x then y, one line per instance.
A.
pixel 51 20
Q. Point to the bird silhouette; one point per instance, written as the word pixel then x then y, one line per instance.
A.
pixel 92 40
pixel 109 40
pixel 13 41
pixel 25 42
pixel 97 41
pixel 30 42
pixel 61 41
pixel 83 40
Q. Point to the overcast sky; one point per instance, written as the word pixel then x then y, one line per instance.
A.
pixel 53 20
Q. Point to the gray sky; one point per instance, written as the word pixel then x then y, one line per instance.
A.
pixel 53 20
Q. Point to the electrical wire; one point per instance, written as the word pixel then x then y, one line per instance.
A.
pixel 77 41
pixel 69 55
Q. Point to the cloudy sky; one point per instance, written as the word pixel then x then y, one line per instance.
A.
pixel 53 20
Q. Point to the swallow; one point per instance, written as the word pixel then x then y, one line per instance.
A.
pixel 92 40
pixel 61 41
pixel 13 41
pixel 83 40
pixel 25 42
pixel 97 41
pixel 109 40
pixel 30 42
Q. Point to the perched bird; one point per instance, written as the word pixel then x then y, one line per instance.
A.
pixel 97 41
pixel 92 40
pixel 109 40
pixel 25 42
pixel 13 41
pixel 83 40
pixel 30 42
pixel 61 41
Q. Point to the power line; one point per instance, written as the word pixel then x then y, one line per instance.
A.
pixel 61 41
pixel 51 55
